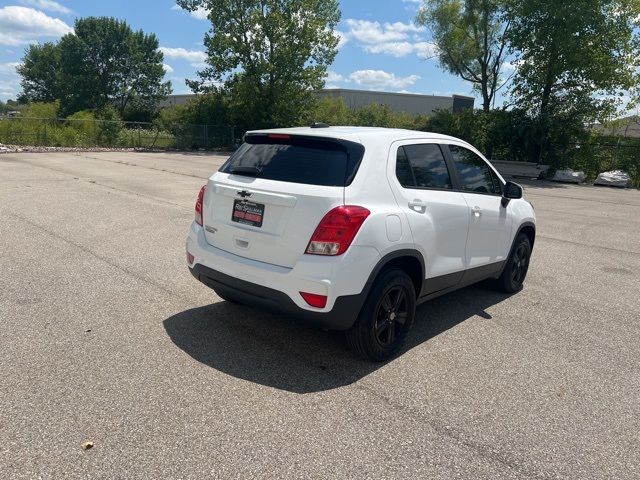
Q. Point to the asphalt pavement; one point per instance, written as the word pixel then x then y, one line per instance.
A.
pixel 106 337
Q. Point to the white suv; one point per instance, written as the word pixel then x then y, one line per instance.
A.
pixel 351 227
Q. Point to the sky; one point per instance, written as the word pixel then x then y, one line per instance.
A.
pixel 380 47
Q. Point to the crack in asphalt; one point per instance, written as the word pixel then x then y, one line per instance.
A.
pixel 128 164
pixel 96 255
pixel 572 242
pixel 111 187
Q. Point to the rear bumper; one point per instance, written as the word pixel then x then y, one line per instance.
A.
pixel 343 314
pixel 342 279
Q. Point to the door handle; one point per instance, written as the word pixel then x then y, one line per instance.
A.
pixel 418 205
pixel 476 211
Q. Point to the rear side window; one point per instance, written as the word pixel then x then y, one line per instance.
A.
pixel 473 172
pixel 403 170
pixel 422 166
pixel 296 159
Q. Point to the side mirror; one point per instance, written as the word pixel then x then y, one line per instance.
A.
pixel 512 191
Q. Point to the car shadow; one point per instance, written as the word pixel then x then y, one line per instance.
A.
pixel 282 353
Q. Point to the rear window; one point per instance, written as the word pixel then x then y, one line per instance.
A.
pixel 296 159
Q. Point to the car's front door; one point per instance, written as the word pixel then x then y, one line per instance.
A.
pixel 438 216
pixel 490 224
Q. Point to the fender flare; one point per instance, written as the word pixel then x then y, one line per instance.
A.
pixel 384 261
pixel 520 228
pixel 513 242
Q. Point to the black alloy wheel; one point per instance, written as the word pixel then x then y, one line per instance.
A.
pixel 386 317
pixel 520 265
pixel 391 316
pixel 517 266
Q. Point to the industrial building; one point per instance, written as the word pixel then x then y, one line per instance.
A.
pixel 412 103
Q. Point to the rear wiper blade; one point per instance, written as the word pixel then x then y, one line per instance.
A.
pixel 248 171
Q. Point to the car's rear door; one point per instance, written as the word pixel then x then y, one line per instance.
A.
pixel 438 216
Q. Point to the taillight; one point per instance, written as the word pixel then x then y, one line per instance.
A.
pixel 318 301
pixel 337 230
pixel 199 205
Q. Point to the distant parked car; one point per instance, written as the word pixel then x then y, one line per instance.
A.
pixel 350 227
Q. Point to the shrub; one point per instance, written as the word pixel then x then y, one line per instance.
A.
pixel 110 126
pixel 42 110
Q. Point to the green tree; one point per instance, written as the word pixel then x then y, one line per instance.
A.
pixel 575 60
pixel 205 109
pixel 267 55
pixel 40 72
pixel 470 36
pixel 102 62
pixel 330 110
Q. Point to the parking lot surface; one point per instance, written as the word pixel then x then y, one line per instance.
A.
pixel 106 337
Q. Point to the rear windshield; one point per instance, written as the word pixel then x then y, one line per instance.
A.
pixel 296 159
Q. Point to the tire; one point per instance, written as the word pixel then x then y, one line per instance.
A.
pixel 386 317
pixel 517 266
pixel 226 298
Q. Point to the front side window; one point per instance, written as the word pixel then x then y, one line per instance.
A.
pixel 422 166
pixel 473 172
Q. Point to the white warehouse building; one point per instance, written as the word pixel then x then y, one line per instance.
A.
pixel 412 103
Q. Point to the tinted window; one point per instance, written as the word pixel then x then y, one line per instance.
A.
pixel 422 166
pixel 403 170
pixel 296 160
pixel 473 171
pixel 497 184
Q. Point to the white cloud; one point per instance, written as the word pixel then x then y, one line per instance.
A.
pixel 200 13
pixel 381 79
pixel 410 92
pixel 8 68
pixel 396 39
pixel 342 38
pixel 168 68
pixel 195 57
pixel 368 32
pixel 22 25
pixel 179 85
pixel 395 49
pixel 47 5
pixel 333 77
pixel 9 80
pixel 370 79
pixel 425 49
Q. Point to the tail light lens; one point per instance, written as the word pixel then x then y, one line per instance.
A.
pixel 318 301
pixel 336 230
pixel 199 205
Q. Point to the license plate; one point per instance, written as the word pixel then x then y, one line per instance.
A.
pixel 248 213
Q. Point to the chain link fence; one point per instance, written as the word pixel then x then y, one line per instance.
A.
pixel 60 132
pixel 598 155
